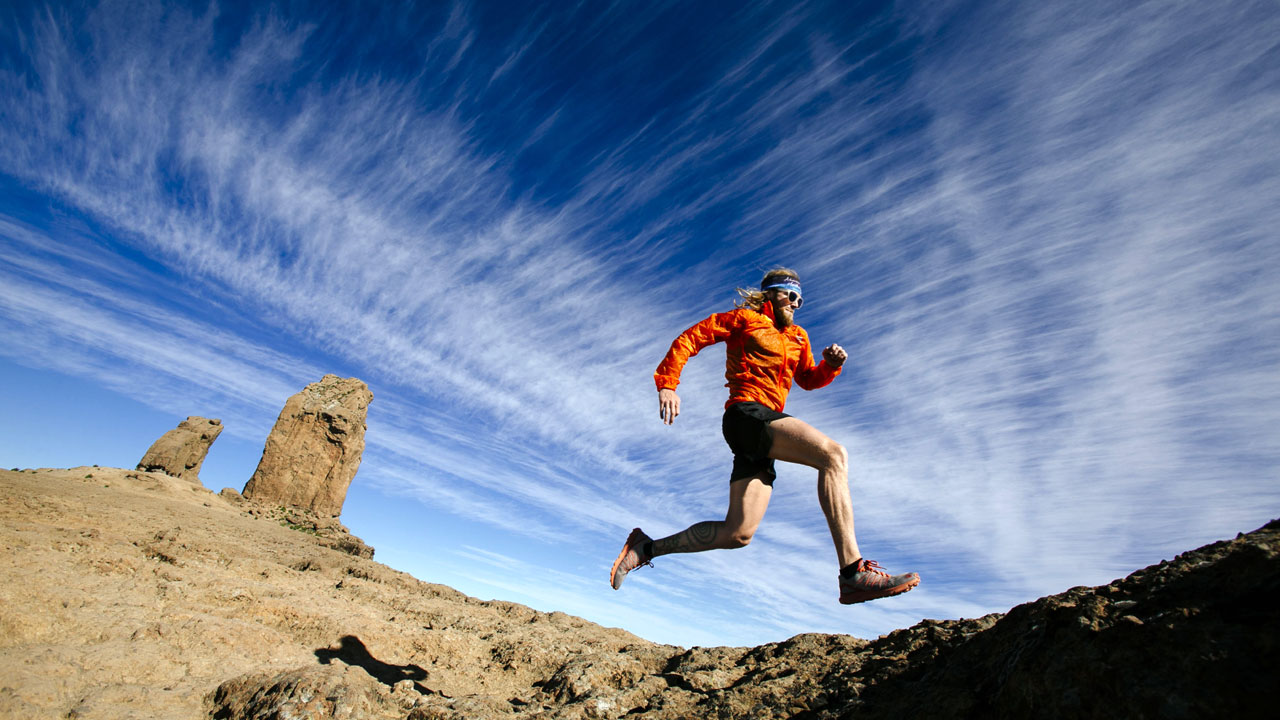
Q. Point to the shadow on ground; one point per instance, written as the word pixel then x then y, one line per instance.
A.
pixel 352 651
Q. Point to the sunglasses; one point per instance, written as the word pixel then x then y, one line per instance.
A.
pixel 794 297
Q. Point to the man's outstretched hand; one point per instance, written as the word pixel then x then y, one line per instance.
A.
pixel 835 356
pixel 668 405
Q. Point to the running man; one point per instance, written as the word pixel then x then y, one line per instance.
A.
pixel 766 351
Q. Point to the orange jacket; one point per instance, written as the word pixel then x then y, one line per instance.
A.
pixel 761 359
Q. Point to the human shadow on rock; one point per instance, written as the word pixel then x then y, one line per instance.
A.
pixel 353 652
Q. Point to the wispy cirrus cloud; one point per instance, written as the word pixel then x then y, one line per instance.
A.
pixel 1090 250
pixel 1044 235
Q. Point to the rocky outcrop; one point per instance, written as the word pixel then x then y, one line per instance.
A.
pixel 1195 637
pixel 181 451
pixel 127 589
pixel 328 531
pixel 314 450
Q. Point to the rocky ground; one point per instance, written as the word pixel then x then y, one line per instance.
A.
pixel 134 594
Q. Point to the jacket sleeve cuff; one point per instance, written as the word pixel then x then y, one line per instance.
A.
pixel 665 382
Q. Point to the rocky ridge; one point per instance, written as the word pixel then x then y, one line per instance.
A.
pixel 135 594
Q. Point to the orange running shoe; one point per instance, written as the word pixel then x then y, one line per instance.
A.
pixel 630 558
pixel 869 582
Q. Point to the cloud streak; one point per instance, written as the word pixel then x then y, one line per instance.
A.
pixel 1044 235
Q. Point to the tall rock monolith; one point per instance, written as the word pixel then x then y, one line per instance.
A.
pixel 181 451
pixel 314 450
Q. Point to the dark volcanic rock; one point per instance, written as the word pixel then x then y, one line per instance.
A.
pixel 1192 638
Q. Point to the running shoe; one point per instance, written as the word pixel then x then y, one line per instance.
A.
pixel 630 558
pixel 870 582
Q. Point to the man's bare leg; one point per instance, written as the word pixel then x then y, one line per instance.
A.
pixel 748 500
pixel 796 441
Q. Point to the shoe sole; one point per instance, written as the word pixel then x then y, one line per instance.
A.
pixel 865 595
pixel 613 571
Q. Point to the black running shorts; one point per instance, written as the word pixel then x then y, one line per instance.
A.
pixel 746 429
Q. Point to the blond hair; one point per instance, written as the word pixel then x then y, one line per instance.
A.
pixel 754 299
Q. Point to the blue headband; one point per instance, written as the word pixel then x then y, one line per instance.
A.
pixel 782 283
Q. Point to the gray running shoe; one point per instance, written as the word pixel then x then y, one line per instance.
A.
pixel 871 582
pixel 630 558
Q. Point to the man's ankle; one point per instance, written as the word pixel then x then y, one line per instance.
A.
pixel 851 569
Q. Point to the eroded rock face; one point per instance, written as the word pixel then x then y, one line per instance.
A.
pixel 181 451
pixel 314 450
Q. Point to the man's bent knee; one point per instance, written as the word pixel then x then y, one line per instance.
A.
pixel 837 458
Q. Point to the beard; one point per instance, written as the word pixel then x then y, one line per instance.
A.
pixel 783 315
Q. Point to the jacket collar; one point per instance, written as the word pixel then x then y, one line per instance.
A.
pixel 767 311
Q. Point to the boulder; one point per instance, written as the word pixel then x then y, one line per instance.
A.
pixel 180 452
pixel 231 495
pixel 338 691
pixel 314 450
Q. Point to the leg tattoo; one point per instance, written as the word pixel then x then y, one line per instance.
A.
pixel 696 538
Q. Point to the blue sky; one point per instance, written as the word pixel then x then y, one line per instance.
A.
pixel 1045 232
